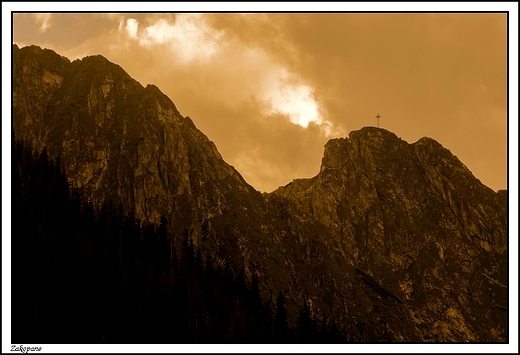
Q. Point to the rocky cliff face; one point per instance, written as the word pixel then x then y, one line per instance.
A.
pixel 119 140
pixel 395 241
pixel 414 219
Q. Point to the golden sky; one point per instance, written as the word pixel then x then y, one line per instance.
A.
pixel 271 89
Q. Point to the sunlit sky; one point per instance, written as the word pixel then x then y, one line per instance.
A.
pixel 271 89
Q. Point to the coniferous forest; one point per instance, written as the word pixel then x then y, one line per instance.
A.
pixel 94 274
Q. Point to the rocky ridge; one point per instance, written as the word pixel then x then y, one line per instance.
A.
pixel 393 239
pixel 415 219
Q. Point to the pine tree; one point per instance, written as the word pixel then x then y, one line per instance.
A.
pixel 280 326
pixel 306 326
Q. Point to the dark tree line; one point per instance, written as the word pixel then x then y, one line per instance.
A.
pixel 98 275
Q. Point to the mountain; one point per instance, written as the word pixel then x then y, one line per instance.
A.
pixel 416 225
pixel 393 241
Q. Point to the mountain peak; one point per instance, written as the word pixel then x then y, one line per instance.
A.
pixel 372 132
pixel 389 238
pixel 118 139
pixel 369 143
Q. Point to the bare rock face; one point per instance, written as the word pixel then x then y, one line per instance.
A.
pixel 32 93
pixel 119 140
pixel 395 241
pixel 415 220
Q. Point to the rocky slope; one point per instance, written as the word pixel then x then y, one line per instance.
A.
pixel 415 220
pixel 395 241
pixel 119 140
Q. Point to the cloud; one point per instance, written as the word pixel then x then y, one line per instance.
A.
pixel 297 101
pixel 268 150
pixel 131 27
pixel 240 69
pixel 43 20
pixel 187 36
pixel 282 91
pixel 275 87
pixel 265 118
pixel 293 99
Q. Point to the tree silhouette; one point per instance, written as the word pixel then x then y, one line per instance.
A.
pixel 306 326
pixel 98 275
pixel 280 326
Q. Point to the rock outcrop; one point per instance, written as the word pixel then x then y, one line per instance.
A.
pixel 395 241
pixel 119 140
pixel 413 218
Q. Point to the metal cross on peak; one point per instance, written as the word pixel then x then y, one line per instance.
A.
pixel 378 120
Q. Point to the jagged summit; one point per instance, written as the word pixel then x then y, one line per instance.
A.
pixel 117 138
pixel 389 237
